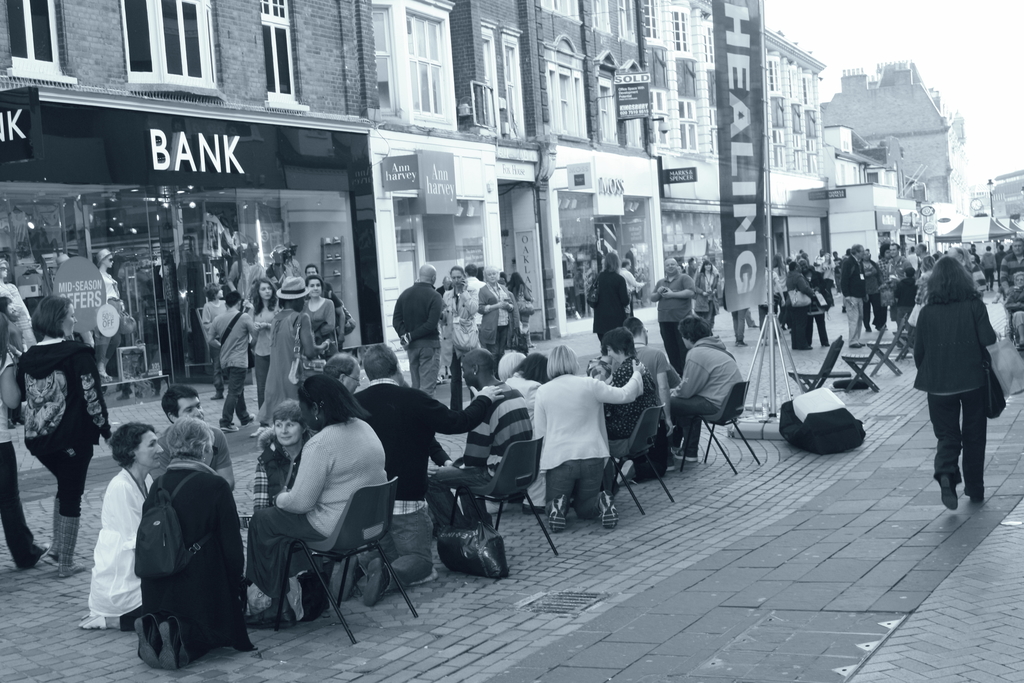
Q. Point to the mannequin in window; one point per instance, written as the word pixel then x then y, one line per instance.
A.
pixel 112 295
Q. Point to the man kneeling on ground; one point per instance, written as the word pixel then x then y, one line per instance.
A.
pixel 708 377
pixel 405 420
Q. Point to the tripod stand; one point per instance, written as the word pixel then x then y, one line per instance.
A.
pixel 770 341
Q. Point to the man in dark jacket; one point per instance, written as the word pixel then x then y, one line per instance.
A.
pixel 417 313
pixel 406 420
pixel 854 292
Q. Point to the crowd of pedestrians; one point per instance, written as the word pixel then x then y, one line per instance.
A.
pixel 334 422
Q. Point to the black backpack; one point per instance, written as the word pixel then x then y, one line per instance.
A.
pixel 160 551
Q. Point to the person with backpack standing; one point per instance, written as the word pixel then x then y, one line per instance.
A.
pixel 65 416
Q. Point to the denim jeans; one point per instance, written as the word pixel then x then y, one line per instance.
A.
pixel 674 348
pixel 261 371
pixel 218 373
pixel 686 414
pixel 234 402
pixel 407 547
pixel 424 362
pixel 440 497
pixel 945 414
pixel 16 531
pixel 580 481
pixel 739 323
pixel 854 317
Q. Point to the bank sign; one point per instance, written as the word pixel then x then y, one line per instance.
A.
pixel 633 95
pixel 21 133
pixel 739 83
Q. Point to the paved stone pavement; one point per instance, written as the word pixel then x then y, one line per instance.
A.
pixel 795 570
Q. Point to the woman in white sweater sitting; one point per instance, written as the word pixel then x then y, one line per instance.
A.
pixel 569 414
pixel 344 456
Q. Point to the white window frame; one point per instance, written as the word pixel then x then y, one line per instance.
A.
pixel 602 16
pixel 659 110
pixel 713 127
pixel 774 75
pixel 384 48
pixel 31 67
pixel 565 89
pixel 635 133
pixel 709 44
pixel 157 48
pixel 627 21
pixel 608 130
pixel 490 55
pixel 680 17
pixel 688 125
pixel 276 15
pixel 806 89
pixel 513 86
pixel 650 12
pixel 567 8
pixel 436 106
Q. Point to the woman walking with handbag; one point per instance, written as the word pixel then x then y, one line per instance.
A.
pixel 953 330
pixel 800 295
pixel 291 341
pixel 705 300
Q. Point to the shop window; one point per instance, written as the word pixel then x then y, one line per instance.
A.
pixel 606 110
pixel 384 53
pixel 513 88
pixel 565 85
pixel 33 33
pixel 277 50
pixel 680 30
pixel 426 64
pixel 650 10
pixel 169 41
pixel 627 21
pixel 441 240
pixel 688 235
pixel 688 125
pixel 602 16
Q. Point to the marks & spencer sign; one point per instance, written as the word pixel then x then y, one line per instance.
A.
pixel 21 133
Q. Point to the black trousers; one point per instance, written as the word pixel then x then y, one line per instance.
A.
pixel 16 532
pixel 874 310
pixel 70 470
pixel 960 425
pixel 674 348
pixel 818 320
pixel 799 327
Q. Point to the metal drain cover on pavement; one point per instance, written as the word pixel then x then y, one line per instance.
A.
pixel 562 602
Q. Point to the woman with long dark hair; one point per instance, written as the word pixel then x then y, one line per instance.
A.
pixel 264 307
pixel 953 330
pixel 65 416
pixel 343 456
pixel 291 338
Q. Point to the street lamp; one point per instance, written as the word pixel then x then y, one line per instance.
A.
pixel 991 211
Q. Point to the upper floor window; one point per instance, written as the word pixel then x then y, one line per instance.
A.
pixel 33 33
pixel 384 52
pixel 774 77
pixel 602 16
pixel 650 19
pixel 688 125
pixel 661 116
pixel 169 41
pixel 680 30
pixel 566 7
pixel 565 83
pixel 807 89
pixel 709 44
pixel 277 49
pixel 627 21
pixel 606 110
pixel 426 66
pixel 513 87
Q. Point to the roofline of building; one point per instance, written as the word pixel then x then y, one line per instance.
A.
pixel 794 52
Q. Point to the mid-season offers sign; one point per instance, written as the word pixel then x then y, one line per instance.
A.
pixel 80 282
pixel 739 81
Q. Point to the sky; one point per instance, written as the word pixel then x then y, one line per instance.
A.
pixel 971 54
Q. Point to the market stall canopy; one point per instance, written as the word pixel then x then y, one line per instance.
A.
pixel 983 229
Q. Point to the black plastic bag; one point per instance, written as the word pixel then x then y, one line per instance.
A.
pixel 833 431
pixel 479 551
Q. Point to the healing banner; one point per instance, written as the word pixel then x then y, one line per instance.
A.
pixel 739 81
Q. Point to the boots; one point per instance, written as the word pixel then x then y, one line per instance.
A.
pixel 55 544
pixel 67 532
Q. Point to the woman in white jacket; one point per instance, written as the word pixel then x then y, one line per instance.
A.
pixel 115 594
pixel 569 414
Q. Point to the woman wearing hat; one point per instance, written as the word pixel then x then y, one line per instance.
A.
pixel 291 334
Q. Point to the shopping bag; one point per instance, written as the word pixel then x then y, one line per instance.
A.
pixel 479 551
pixel 1008 366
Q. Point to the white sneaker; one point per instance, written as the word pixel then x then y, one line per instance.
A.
pixel 609 515
pixel 556 515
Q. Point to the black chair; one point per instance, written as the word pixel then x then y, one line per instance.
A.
pixel 731 411
pixel 811 382
pixel 516 472
pixel 364 522
pixel 641 441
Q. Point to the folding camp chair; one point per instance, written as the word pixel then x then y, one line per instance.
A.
pixel 816 381
pixel 641 441
pixel 730 413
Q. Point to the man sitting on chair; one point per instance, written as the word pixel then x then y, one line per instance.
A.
pixel 1015 306
pixel 708 377
pixel 405 420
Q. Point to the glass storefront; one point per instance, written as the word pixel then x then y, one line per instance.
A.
pixel 107 182
pixel 586 238
pixel 687 235
pixel 443 240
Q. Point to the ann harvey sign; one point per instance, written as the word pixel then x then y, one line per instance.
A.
pixel 739 80
pixel 401 173
pixel 432 173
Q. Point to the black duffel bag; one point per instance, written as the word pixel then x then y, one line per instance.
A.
pixel 833 431
pixel 479 551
